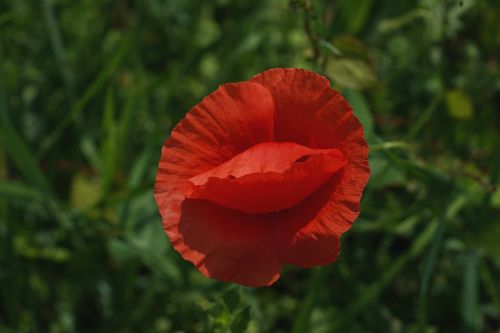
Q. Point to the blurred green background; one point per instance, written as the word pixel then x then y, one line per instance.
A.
pixel 89 90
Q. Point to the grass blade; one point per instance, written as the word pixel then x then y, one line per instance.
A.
pixel 470 296
pixel 316 282
pixel 80 104
pixel 17 190
pixel 372 292
pixel 14 144
pixel 58 47
pixel 430 262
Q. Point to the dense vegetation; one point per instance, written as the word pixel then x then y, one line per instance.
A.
pixel 90 89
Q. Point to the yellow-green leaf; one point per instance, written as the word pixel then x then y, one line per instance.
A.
pixel 352 73
pixel 459 104
pixel 85 191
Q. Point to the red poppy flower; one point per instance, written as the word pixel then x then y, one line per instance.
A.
pixel 263 173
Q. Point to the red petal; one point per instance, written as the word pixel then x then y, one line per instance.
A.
pixel 308 234
pixel 226 123
pixel 309 112
pixel 230 120
pixel 268 177
pixel 228 245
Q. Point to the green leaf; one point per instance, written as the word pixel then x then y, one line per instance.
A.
pixel 15 146
pixel 432 257
pixel 487 239
pixel 361 110
pixel 495 198
pixel 459 105
pixel 17 190
pixel 240 320
pixel 89 150
pixel 109 146
pixel 149 249
pixel 231 298
pixel 352 73
pixel 58 46
pixel 471 315
pixel 384 173
pixel 85 191
pixel 121 251
pixel 489 283
pixel 356 14
pixel 21 155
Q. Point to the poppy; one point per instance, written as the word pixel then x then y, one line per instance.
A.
pixel 263 173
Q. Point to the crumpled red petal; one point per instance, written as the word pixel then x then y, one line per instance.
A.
pixel 309 112
pixel 227 244
pixel 268 177
pixel 232 119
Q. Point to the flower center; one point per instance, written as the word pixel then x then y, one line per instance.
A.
pixel 267 177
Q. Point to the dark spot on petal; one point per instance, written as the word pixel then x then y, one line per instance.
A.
pixel 302 159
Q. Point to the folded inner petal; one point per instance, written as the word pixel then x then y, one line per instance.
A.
pixel 267 177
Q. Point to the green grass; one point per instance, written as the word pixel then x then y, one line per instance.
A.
pixel 89 90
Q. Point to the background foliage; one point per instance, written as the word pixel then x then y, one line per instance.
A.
pixel 90 89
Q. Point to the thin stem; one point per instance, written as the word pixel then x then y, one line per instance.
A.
pixel 313 38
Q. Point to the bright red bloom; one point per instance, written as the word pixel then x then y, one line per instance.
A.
pixel 263 173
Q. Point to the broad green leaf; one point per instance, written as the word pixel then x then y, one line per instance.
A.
pixel 459 105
